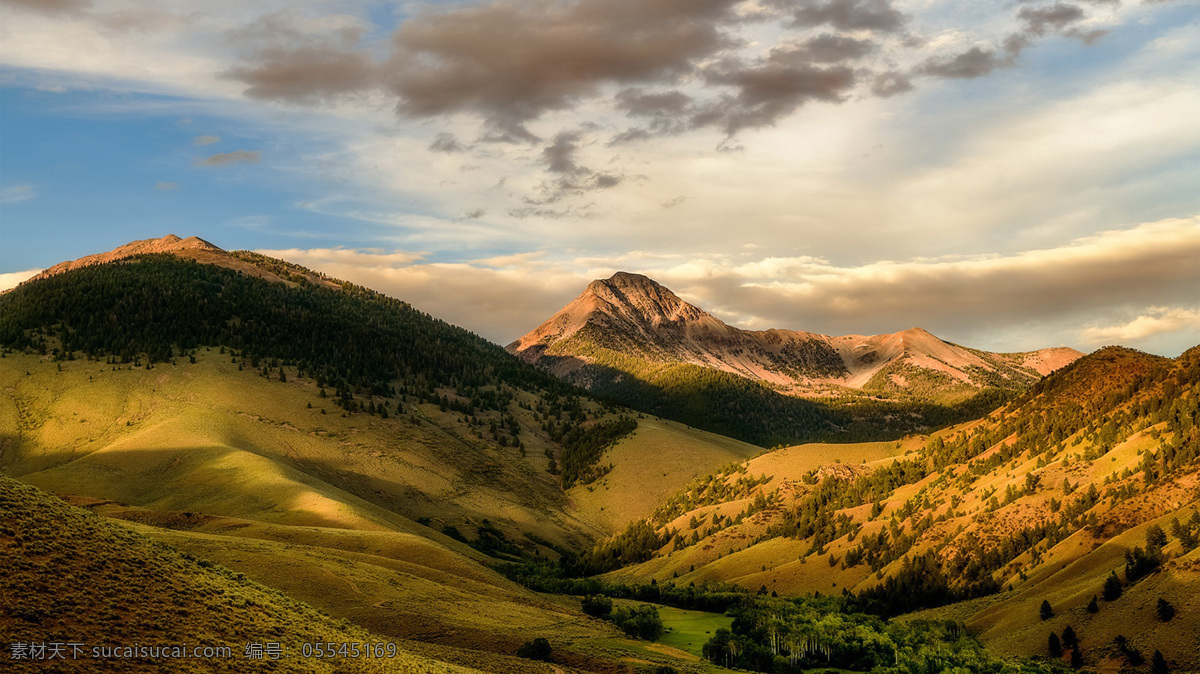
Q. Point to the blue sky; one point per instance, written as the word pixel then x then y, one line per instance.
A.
pixel 1006 176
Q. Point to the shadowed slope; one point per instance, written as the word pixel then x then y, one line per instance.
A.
pixel 70 576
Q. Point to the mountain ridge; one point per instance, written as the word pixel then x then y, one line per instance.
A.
pixel 635 315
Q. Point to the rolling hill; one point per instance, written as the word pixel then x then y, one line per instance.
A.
pixel 71 577
pixel 630 338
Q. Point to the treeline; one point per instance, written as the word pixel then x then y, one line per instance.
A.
pixel 791 635
pixel 786 636
pixel 557 579
pixel 583 446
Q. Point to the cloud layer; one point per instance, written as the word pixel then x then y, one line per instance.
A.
pixel 974 300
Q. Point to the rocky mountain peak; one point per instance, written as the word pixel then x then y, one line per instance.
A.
pixel 643 300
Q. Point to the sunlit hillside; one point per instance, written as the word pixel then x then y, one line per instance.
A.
pixel 1093 472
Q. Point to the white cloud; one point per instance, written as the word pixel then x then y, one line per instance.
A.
pixel 14 193
pixel 14 278
pixel 1155 321
pixel 1027 300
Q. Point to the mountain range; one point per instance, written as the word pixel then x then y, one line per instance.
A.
pixel 635 317
pixel 242 445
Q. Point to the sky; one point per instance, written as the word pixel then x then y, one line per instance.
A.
pixel 1008 176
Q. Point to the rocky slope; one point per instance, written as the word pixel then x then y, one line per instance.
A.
pixel 631 317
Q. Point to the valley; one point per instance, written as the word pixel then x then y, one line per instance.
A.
pixel 342 462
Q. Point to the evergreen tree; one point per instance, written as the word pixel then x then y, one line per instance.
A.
pixel 1165 610
pixel 1092 606
pixel 1112 587
pixel 1046 611
pixel 1158 664
pixel 1056 650
pixel 1069 639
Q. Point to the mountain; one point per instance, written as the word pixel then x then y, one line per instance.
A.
pixel 323 440
pixel 631 339
pixel 199 250
pixel 1080 493
pixel 633 316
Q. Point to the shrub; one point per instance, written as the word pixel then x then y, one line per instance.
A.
pixel 598 606
pixel 538 649
pixel 642 622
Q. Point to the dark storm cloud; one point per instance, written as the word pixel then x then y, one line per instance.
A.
pixel 665 113
pixel 975 62
pixel 825 48
pixel 637 103
pixel 513 61
pixel 767 90
pixel 876 15
pixel 890 83
pixel 446 142
pixel 573 179
pixel 1041 20
pixel 282 61
pixel 50 6
pixel 306 73
pixel 560 156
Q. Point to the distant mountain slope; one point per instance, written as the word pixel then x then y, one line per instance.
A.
pixel 1094 471
pixel 632 315
pixel 72 577
pixel 630 338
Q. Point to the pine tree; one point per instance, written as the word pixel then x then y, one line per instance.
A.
pixel 1158 664
pixel 1112 587
pixel 1092 606
pixel 1069 639
pixel 1165 610
pixel 1056 650
pixel 1046 611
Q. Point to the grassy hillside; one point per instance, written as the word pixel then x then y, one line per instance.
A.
pixel 70 576
pixel 1042 500
pixel 659 458
pixel 345 512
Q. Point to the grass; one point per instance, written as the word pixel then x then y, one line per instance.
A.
pixel 208 437
pixel 690 630
pixel 659 458
pixel 71 576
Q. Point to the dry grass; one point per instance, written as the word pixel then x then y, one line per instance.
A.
pixel 71 576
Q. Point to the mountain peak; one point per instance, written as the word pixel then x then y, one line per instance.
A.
pixel 641 300
pixel 635 316
pixel 192 246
